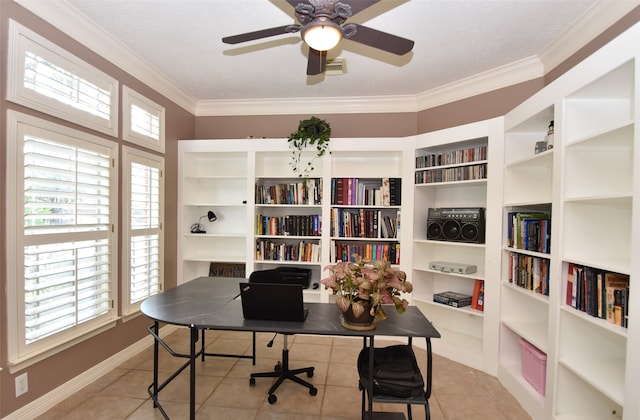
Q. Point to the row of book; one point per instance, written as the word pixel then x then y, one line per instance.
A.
pixel 599 293
pixel 470 154
pixel 279 251
pixel 344 251
pixel 460 173
pixel 364 223
pixel 366 192
pixel 530 231
pixel 529 272
pixel 289 225
pixel 308 191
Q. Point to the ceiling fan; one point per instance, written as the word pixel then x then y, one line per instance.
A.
pixel 321 27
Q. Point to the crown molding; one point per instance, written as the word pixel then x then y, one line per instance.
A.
pixel 317 105
pixel 494 79
pixel 75 24
pixel 602 15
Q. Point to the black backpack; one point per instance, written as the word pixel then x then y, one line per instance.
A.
pixel 395 371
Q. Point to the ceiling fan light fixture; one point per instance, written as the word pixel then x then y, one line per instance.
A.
pixel 321 34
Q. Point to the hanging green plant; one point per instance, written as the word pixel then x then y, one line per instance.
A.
pixel 312 133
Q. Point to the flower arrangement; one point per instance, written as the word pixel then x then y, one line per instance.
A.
pixel 363 282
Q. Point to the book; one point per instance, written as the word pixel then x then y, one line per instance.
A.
pixel 477 301
pixel 536 274
pixel 615 283
pixel 524 222
pixel 570 296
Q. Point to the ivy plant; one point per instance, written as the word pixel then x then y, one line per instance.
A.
pixel 312 133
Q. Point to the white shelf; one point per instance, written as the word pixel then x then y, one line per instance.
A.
pixel 606 379
pixel 289 206
pixel 532 331
pixel 287 262
pixel 477 275
pixel 452 184
pixel 215 258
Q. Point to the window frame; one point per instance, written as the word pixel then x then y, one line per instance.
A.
pixel 131 155
pixel 21 40
pixel 130 98
pixel 21 354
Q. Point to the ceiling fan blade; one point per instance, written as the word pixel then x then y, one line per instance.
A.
pixel 381 40
pixel 264 33
pixel 316 62
pixel 358 6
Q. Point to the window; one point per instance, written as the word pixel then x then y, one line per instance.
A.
pixel 45 77
pixel 61 236
pixel 143 120
pixel 142 259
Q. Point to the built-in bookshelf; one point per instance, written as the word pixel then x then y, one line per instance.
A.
pixel 366 204
pixel 269 217
pixel 600 152
pixel 585 183
pixel 450 172
pixel 288 214
pixel 527 277
pixel 217 182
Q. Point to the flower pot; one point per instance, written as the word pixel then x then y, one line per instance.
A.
pixel 364 322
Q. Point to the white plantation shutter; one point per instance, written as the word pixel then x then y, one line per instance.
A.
pixel 65 284
pixel 145 123
pixel 66 196
pixel 143 120
pixel 62 184
pixel 56 82
pixel 45 77
pixel 145 251
pixel 66 188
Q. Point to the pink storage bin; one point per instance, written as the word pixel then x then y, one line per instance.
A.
pixel 534 366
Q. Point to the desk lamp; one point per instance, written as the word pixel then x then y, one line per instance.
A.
pixel 199 227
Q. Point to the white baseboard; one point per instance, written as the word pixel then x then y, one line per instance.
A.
pixel 64 391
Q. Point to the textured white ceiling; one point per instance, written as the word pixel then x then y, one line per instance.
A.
pixel 454 40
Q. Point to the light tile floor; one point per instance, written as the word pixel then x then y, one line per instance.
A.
pixel 223 390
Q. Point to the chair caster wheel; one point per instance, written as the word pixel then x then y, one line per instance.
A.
pixel 313 391
pixel 278 367
pixel 272 399
pixel 310 374
pixel 252 381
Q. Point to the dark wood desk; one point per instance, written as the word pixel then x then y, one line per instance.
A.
pixel 210 303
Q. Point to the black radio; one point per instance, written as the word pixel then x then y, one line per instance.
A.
pixel 456 224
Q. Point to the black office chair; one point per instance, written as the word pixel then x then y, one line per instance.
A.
pixel 281 370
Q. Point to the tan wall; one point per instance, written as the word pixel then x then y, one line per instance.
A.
pixel 279 126
pixel 56 370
